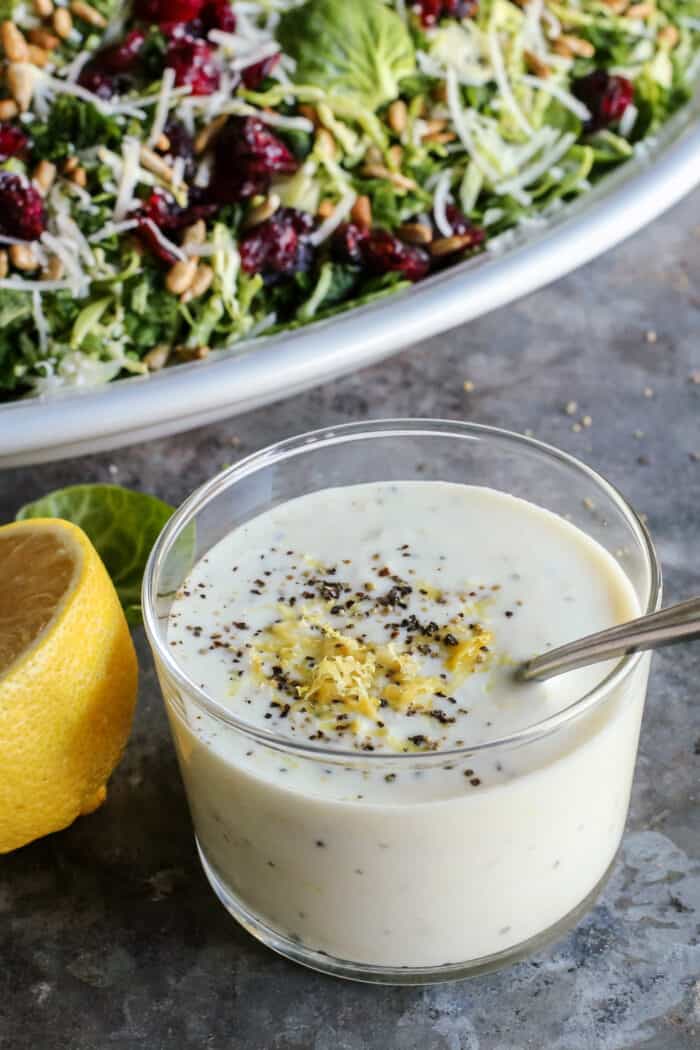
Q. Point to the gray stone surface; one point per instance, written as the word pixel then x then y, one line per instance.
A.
pixel 109 935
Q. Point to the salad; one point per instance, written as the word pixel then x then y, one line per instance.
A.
pixel 197 172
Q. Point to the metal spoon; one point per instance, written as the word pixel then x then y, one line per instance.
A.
pixel 678 623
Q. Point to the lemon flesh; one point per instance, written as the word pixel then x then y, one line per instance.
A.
pixel 68 679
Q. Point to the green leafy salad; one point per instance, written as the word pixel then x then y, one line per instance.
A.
pixel 187 174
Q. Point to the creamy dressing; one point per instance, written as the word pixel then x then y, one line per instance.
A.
pixel 410 566
pixel 383 621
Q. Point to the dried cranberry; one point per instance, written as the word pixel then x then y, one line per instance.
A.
pixel 12 141
pixel 279 245
pixel 384 253
pixel 101 83
pixel 150 239
pixel 348 241
pixel 105 74
pixel 379 251
pixel 247 155
pixel 461 226
pixel 164 11
pixel 180 144
pixel 194 65
pixel 180 30
pixel 460 8
pixel 431 11
pixel 168 215
pixel 606 95
pixel 122 57
pixel 161 209
pixel 218 14
pixel 199 203
pixel 254 75
pixel 151 220
pixel 21 208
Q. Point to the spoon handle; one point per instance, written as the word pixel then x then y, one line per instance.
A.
pixel 678 623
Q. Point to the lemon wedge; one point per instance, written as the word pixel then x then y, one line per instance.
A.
pixel 68 678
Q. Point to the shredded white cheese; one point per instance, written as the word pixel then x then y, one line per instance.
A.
pixel 288 64
pixel 160 116
pixel 553 26
pixel 561 94
pixel 461 125
pixel 40 321
pixel 280 120
pixel 116 163
pixel 278 72
pixel 186 114
pixel 262 325
pixel 331 224
pixel 501 77
pixel 129 177
pixel 62 249
pixel 428 65
pixel 63 87
pixel 178 172
pixel 68 228
pixel 83 196
pixel 539 141
pixel 532 35
pixel 628 120
pixel 440 197
pixel 21 284
pixel 237 107
pixel 203 173
pixel 72 70
pixel 247 33
pixel 266 50
pixel 492 215
pixel 461 47
pixel 152 100
pixel 111 228
pixel 197 250
pixel 230 42
pixel 169 246
pixel 539 168
pixel 14 240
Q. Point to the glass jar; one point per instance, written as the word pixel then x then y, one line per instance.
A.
pixel 328 866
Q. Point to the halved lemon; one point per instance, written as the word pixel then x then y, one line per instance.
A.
pixel 68 679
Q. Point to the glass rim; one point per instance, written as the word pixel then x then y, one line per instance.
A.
pixel 324 437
